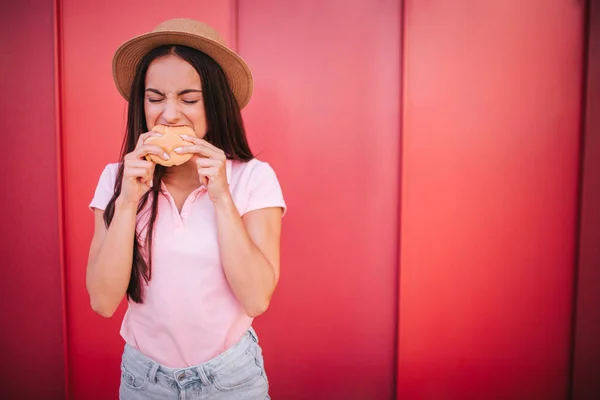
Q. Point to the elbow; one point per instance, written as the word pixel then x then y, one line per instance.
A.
pixel 101 308
pixel 261 304
pixel 258 308
pixel 102 303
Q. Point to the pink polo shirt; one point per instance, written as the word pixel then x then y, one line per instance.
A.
pixel 190 314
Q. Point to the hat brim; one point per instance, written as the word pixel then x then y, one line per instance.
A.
pixel 129 54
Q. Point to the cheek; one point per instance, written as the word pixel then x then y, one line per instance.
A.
pixel 198 118
pixel 151 112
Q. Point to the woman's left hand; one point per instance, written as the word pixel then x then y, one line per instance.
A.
pixel 211 164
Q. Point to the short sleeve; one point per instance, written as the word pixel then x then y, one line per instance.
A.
pixel 105 188
pixel 264 189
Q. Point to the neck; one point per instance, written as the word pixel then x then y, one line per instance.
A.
pixel 184 175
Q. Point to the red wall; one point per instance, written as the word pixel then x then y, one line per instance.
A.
pixel 489 194
pixel 458 182
pixel 586 360
pixel 31 338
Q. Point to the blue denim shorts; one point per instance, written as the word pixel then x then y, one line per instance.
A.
pixel 238 373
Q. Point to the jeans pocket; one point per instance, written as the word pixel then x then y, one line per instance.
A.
pixel 242 373
pixel 132 381
pixel 260 361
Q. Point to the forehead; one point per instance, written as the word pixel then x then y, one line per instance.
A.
pixel 171 71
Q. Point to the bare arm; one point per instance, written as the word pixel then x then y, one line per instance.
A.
pixel 110 259
pixel 111 251
pixel 250 248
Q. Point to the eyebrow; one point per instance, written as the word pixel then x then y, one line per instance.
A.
pixel 179 94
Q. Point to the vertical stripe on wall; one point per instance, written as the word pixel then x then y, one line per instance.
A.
pixel 490 167
pixel 325 114
pixel 31 341
pixel 586 378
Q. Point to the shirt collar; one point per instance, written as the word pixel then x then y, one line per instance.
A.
pixel 228 167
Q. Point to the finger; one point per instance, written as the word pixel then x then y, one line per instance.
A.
pixel 202 142
pixel 203 180
pixel 149 176
pixel 199 149
pixel 191 139
pixel 145 136
pixel 148 179
pixel 210 173
pixel 146 149
pixel 211 146
pixel 136 163
pixel 204 162
pixel 135 173
pixel 147 166
pixel 197 140
pixel 186 149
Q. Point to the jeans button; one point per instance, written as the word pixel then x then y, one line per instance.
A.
pixel 181 376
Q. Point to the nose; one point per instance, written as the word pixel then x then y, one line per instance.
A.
pixel 171 113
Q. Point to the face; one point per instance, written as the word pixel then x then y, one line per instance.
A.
pixel 173 95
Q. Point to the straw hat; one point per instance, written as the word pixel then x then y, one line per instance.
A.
pixel 187 32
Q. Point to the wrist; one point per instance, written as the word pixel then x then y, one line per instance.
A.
pixel 122 204
pixel 224 202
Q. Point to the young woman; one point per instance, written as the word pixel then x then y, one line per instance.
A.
pixel 194 247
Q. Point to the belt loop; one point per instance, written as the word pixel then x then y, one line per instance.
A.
pixel 204 375
pixel 253 334
pixel 152 372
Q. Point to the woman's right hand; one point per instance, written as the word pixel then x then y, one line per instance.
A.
pixel 139 172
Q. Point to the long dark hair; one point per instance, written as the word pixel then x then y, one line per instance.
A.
pixel 225 130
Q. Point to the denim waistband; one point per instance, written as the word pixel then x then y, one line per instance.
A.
pixel 203 371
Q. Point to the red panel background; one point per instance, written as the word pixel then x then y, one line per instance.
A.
pixel 490 164
pixel 490 157
pixel 93 127
pixel 31 339
pixel 586 365
pixel 326 115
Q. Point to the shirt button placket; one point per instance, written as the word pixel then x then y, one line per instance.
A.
pixel 185 209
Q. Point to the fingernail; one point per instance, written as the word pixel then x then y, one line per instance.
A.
pixel 177 150
pixel 166 156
